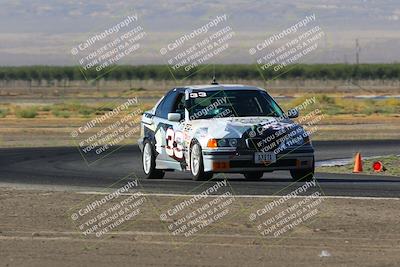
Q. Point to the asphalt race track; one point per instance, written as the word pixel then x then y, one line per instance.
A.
pixel 65 169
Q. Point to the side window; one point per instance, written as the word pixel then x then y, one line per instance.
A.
pixel 167 104
pixel 179 106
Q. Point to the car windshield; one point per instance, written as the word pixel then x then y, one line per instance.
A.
pixel 231 103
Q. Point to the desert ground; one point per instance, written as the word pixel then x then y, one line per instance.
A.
pixel 37 231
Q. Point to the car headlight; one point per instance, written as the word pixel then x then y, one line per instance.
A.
pixel 224 142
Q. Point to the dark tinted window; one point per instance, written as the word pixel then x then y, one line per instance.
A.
pixel 237 103
pixel 166 105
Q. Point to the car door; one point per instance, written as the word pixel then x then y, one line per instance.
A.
pixel 169 136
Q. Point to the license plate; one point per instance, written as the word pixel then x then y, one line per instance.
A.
pixel 264 157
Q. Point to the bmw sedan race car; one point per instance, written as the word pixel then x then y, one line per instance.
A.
pixel 216 128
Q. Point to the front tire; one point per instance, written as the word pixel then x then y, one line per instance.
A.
pixel 197 164
pixel 149 163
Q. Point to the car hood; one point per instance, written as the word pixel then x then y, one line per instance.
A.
pixel 236 127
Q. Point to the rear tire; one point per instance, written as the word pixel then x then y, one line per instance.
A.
pixel 149 163
pixel 253 175
pixel 197 164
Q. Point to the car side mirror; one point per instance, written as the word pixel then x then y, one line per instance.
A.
pixel 293 113
pixel 174 116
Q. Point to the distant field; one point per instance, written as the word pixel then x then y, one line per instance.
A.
pixel 34 121
pixel 81 108
pixel 41 105
pixel 19 90
pixel 202 72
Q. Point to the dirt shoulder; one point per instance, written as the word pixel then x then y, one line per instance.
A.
pixel 390 165
pixel 36 230
pixel 36 120
pixel 51 132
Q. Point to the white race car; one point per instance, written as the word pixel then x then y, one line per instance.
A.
pixel 209 129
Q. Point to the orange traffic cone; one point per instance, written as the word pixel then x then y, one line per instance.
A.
pixel 357 163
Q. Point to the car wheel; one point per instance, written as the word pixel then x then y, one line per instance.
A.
pixel 253 176
pixel 149 163
pixel 197 165
pixel 304 174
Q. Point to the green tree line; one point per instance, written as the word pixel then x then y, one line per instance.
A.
pixel 232 71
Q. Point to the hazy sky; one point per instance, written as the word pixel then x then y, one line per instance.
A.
pixel 43 32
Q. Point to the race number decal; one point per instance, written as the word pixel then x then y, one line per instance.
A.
pixel 198 94
pixel 169 148
pixel 177 138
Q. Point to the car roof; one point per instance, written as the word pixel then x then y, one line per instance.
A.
pixel 213 87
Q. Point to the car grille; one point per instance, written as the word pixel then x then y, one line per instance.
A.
pixel 250 163
pixel 260 144
pixel 251 143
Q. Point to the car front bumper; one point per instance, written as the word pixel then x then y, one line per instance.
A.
pixel 243 161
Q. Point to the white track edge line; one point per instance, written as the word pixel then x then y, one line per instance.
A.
pixel 243 196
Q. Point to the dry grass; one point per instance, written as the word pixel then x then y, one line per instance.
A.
pixel 69 109
pixel 24 123
pixel 332 105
